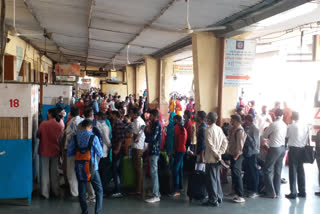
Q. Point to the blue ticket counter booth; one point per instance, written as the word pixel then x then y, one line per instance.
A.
pixel 18 125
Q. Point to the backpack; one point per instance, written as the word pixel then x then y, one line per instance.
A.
pixel 83 163
pixel 249 145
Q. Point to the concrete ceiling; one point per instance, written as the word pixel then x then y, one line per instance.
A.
pixel 94 32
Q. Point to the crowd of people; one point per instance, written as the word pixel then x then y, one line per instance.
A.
pixel 101 131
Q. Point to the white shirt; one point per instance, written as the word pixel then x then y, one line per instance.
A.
pixel 112 104
pixel 297 134
pixel 72 129
pixel 105 131
pixel 276 133
pixel 216 143
pixel 138 129
pixel 261 122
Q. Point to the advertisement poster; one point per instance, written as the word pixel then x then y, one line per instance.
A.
pixel 239 59
pixel 182 68
pixel 68 70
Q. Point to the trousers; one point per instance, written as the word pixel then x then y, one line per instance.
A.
pixel 272 170
pixel 296 170
pixel 71 176
pixel 213 183
pixel 49 177
pixel 136 158
pixel 97 186
pixel 236 174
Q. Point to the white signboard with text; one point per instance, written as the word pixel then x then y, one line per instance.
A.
pixel 238 61
pixel 20 100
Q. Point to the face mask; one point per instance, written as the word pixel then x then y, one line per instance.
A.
pixel 64 114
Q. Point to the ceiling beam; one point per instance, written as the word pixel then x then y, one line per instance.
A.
pixel 234 23
pixel 113 31
pixel 92 3
pixel 121 43
pixel 255 14
pixel 29 7
pixel 148 25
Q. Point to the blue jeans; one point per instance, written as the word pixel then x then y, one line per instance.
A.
pixel 178 171
pixel 153 159
pixel 116 172
pixel 97 186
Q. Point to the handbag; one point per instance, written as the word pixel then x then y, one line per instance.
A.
pixel 309 153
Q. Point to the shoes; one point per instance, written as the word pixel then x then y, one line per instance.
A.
pixel 302 195
pixel 291 196
pixel 270 196
pixel 219 200
pixel 253 195
pixel 210 204
pixel 91 201
pixel 238 200
pixel 223 164
pixel 284 181
pixel 153 200
pixel 117 195
pixel 176 194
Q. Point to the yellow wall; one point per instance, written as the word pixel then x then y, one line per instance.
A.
pixel 153 79
pixel 131 79
pixel 206 59
pixel 31 55
pixel 140 79
pixel 229 101
pixel 166 74
pixel 110 88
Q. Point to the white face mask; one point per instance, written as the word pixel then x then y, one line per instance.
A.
pixel 64 114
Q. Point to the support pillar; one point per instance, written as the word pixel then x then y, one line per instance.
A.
pixel 165 81
pixel 153 80
pixel 140 79
pixel 206 65
pixel 131 79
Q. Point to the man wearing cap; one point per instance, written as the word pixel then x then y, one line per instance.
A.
pixel 236 141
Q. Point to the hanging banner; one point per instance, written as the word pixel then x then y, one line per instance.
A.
pixel 67 69
pixel 238 61
pixel 19 60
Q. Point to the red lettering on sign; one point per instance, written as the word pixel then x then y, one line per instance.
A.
pixel 14 103
pixel 317 116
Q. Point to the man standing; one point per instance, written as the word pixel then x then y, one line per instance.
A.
pixel 81 141
pixel 236 141
pixel 60 103
pixel 201 136
pixel 95 105
pixel 153 138
pixel 71 130
pixel 138 146
pixel 263 120
pixel 215 145
pixel 252 146
pixel 276 133
pixel 117 142
pixel 297 137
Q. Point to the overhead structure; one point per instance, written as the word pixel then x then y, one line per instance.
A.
pixel 99 32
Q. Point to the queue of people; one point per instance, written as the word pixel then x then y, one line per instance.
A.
pixel 101 131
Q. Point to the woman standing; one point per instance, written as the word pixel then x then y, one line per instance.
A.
pixel 180 139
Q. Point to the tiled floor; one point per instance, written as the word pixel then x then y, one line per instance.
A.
pixel 131 205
